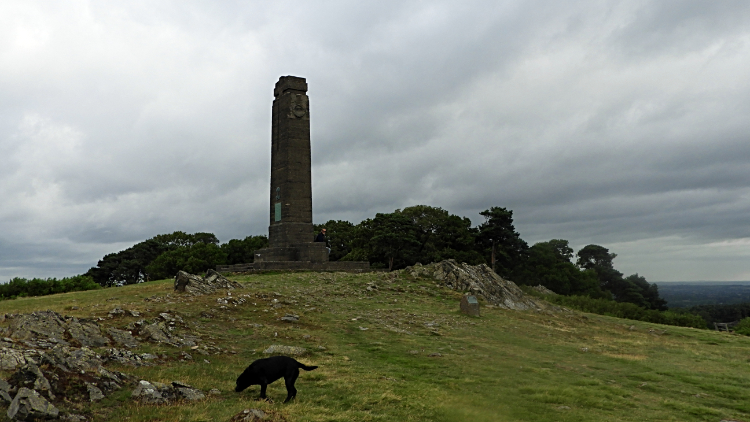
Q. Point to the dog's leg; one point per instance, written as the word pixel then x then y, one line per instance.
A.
pixel 289 380
pixel 263 386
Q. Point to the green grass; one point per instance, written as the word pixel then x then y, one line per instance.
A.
pixel 504 366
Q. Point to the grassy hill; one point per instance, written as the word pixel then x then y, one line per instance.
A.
pixel 403 352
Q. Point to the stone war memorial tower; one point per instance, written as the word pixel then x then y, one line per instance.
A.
pixel 290 232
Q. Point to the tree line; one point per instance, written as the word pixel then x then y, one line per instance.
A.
pixel 162 256
pixel 399 239
pixel 22 287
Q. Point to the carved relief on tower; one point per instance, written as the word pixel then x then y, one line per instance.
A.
pixel 299 107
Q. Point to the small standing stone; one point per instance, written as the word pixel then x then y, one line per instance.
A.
pixel 470 306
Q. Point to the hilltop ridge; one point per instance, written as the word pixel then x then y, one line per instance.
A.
pixel 393 346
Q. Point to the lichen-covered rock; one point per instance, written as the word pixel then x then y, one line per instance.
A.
pixel 197 285
pixel 123 338
pixel 187 392
pixel 95 394
pixel 28 405
pixel 147 393
pixel 126 357
pixel 249 415
pixel 11 359
pixel 158 393
pixel 5 397
pixel 277 349
pixel 479 280
pixel 70 359
pixel 86 333
pixel 44 324
pixel 221 282
pixel 157 332
pixel 31 377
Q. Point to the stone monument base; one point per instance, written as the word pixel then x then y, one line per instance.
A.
pixel 345 266
pixel 311 251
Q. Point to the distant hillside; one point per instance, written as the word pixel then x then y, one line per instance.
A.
pixel 684 294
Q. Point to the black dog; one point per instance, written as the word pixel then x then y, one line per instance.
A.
pixel 265 371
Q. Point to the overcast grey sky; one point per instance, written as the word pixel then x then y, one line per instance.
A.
pixel 625 124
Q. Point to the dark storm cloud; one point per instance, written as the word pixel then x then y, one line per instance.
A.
pixel 622 124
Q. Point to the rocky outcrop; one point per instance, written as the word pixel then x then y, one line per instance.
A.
pixel 12 358
pixel 28 405
pixel 64 374
pixel 197 285
pixel 543 290
pixel 126 357
pixel 478 280
pixel 123 338
pixel 86 333
pixel 157 393
pixel 47 329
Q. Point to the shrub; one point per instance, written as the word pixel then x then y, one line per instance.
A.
pixel 21 287
pixel 743 327
pixel 628 311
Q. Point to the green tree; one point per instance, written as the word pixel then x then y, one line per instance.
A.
pixel 633 289
pixel 393 241
pixel 648 291
pixel 442 235
pixel 195 259
pixel 128 266
pixel 599 259
pixel 548 264
pixel 498 233
pixel 243 251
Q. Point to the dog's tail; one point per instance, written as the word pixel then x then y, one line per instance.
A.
pixel 307 368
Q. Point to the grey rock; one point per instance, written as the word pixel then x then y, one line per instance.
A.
pixel 30 376
pixel 4 386
pixel 214 392
pixel 479 280
pixel 197 285
pixel 123 338
pixel 72 359
pixel 290 318
pixel 117 312
pixel 86 333
pixel 95 394
pixel 40 324
pixel 29 405
pixel 158 393
pixel 249 415
pixel 148 393
pixel 187 392
pixel 157 332
pixel 11 359
pixel 5 398
pixel 277 349
pixel 126 357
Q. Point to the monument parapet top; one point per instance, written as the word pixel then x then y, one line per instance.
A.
pixel 290 83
